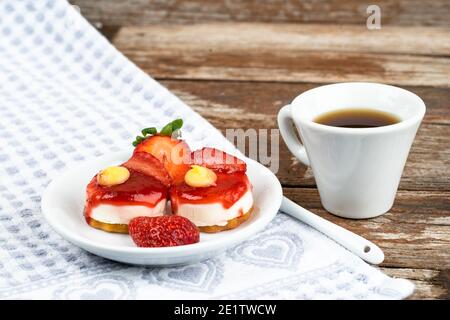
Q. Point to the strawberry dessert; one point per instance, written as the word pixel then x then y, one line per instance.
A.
pixel 208 189
pixel 118 194
pixel 138 187
pixel 216 194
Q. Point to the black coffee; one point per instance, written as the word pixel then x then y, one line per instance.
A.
pixel 357 118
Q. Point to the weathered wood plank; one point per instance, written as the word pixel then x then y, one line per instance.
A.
pixel 430 284
pixel 141 12
pixel 246 103
pixel 414 234
pixel 255 105
pixel 289 37
pixel 286 53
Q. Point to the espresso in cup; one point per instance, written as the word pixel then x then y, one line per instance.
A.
pixel 357 118
pixel 356 137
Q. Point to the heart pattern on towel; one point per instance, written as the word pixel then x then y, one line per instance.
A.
pixel 201 277
pixel 279 219
pixel 102 294
pixel 104 287
pixel 277 250
pixel 193 275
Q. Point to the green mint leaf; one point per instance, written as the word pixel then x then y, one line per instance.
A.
pixel 138 140
pixel 149 131
pixel 167 130
pixel 177 124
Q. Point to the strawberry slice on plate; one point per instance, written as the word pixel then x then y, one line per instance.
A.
pixel 149 165
pixel 173 153
pixel 218 160
pixel 163 231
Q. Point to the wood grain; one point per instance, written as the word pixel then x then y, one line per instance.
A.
pixel 142 12
pixel 255 105
pixel 277 37
pixel 415 233
pixel 290 53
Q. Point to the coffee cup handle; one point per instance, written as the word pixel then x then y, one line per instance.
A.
pixel 289 136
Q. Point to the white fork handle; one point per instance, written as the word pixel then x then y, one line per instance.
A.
pixel 363 248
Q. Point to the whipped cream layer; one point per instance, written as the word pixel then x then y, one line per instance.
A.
pixel 112 214
pixel 214 214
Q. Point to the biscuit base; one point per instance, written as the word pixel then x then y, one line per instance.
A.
pixel 233 223
pixel 123 228
pixel 108 227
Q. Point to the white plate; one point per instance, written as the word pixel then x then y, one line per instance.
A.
pixel 63 202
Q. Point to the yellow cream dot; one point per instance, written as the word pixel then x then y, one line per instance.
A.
pixel 200 177
pixel 112 176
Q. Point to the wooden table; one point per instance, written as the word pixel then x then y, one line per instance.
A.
pixel 237 62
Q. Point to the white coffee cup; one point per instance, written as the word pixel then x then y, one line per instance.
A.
pixel 357 170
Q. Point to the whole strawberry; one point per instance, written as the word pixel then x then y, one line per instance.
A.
pixel 163 231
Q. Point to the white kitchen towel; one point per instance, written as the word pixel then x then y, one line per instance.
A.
pixel 67 95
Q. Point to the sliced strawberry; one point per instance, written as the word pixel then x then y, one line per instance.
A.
pixel 147 164
pixel 163 231
pixel 173 153
pixel 218 160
